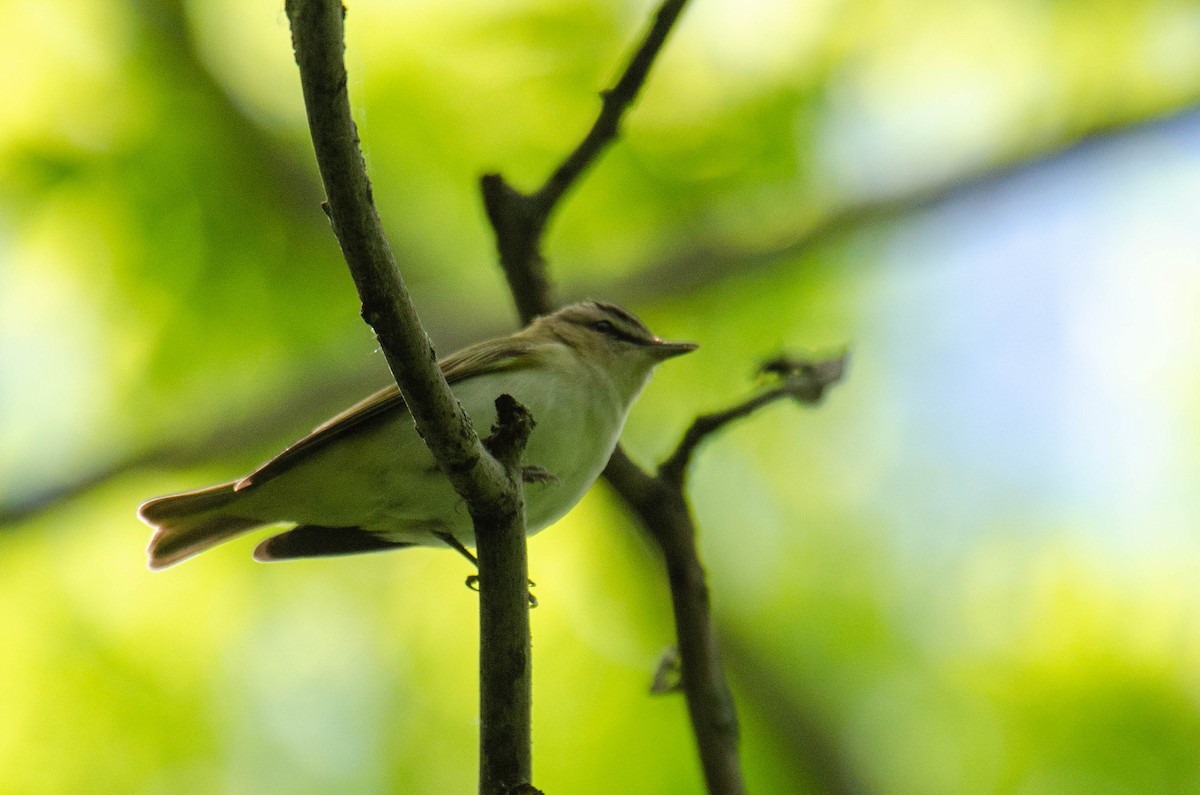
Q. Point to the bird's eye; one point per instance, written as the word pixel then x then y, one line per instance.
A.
pixel 603 326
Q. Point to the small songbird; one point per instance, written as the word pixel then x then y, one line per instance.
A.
pixel 364 481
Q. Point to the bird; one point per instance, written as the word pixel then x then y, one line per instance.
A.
pixel 364 481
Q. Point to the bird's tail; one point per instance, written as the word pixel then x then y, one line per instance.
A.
pixel 189 523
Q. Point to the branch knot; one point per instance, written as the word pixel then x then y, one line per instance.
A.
pixel 509 434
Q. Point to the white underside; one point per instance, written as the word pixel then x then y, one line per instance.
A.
pixel 385 480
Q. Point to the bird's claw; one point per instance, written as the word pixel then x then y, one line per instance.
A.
pixel 473 584
pixel 536 474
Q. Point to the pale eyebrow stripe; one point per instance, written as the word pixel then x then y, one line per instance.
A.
pixel 623 314
pixel 618 332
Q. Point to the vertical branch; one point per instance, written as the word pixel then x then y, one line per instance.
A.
pixel 487 479
pixel 519 220
pixel 505 673
pixel 662 508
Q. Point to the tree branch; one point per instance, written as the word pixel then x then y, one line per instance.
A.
pixel 386 305
pixel 505 656
pixel 490 485
pixel 520 218
pixel 660 504
pixel 664 513
pixel 614 103
pixel 802 380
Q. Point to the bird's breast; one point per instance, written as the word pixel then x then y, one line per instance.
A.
pixel 577 419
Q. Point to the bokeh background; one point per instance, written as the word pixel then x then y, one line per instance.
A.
pixel 971 570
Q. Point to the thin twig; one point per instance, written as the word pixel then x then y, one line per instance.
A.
pixel 487 479
pixel 614 103
pixel 661 505
pixel 520 218
pixel 802 380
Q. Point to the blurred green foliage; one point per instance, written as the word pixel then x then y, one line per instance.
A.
pixel 970 571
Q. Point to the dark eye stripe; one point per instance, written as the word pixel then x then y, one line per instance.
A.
pixel 611 321
pixel 608 329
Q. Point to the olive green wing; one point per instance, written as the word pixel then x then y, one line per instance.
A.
pixel 477 360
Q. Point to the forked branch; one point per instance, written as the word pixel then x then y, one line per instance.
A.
pixel 519 219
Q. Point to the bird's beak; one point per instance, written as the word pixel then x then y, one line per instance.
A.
pixel 664 350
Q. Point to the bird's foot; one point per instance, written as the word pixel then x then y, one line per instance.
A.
pixel 536 474
pixel 473 584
